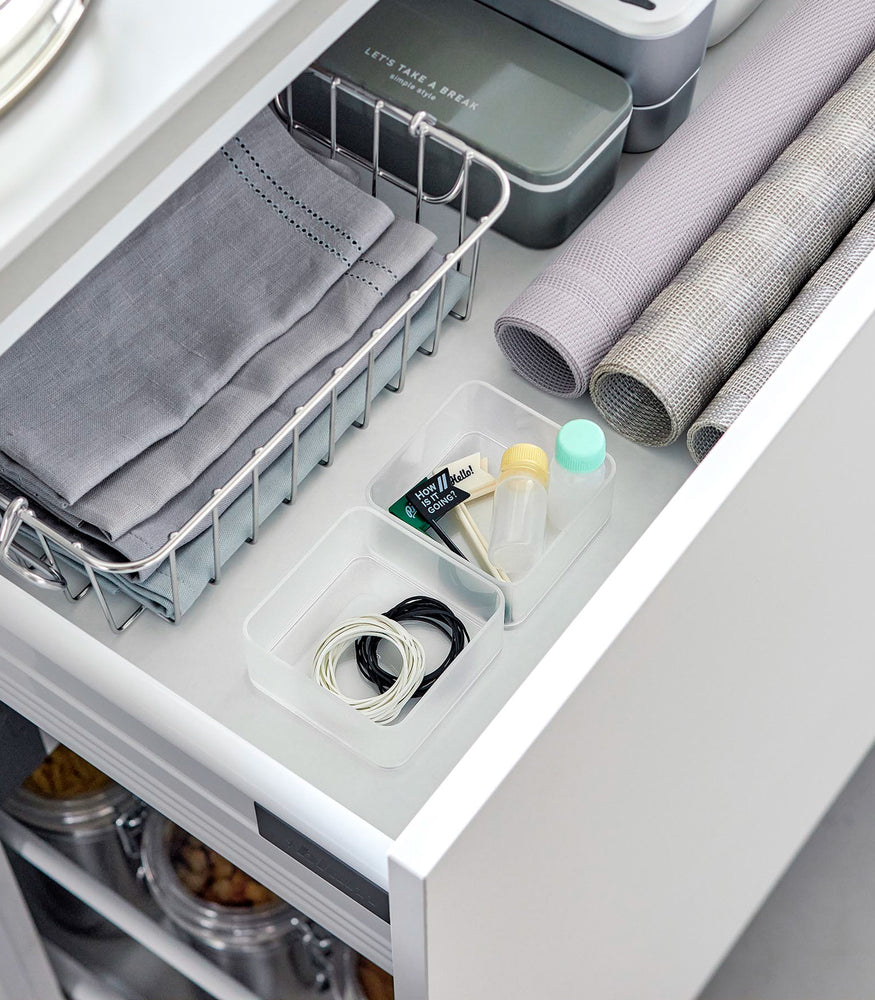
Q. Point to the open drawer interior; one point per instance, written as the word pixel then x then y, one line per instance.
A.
pixel 203 661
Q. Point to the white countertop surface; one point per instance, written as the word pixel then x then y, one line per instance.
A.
pixel 139 98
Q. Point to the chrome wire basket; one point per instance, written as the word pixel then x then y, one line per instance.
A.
pixel 42 552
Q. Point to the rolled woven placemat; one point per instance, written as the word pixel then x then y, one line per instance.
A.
pixel 563 324
pixel 780 339
pixel 658 378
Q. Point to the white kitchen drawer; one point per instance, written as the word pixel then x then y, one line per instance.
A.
pixel 613 797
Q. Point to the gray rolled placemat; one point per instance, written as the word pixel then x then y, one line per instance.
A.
pixel 562 325
pixel 780 339
pixel 248 245
pixel 657 379
pixel 195 559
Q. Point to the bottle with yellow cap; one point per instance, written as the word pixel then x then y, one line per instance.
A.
pixel 519 513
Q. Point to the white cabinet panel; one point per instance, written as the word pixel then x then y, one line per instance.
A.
pixel 26 969
pixel 141 97
pixel 169 765
pixel 629 844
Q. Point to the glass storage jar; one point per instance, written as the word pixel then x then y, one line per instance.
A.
pixel 353 977
pixel 97 829
pixel 270 948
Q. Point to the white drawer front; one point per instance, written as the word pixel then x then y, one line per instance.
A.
pixel 727 694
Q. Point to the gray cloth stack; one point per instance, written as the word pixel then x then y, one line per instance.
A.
pixel 195 559
pixel 152 532
pixel 229 262
pixel 116 509
pixel 657 379
pixel 154 380
pixel 562 325
pixel 780 339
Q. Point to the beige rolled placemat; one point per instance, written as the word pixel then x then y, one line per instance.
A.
pixel 558 329
pixel 658 378
pixel 780 339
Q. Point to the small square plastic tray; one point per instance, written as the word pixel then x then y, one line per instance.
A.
pixel 366 563
pixel 478 417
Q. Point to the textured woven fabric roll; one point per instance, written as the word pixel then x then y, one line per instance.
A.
pixel 780 339
pixel 657 379
pixel 562 325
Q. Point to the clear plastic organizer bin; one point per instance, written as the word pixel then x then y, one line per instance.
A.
pixel 365 564
pixel 478 417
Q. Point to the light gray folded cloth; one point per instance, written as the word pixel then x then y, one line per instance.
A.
pixel 143 486
pixel 563 324
pixel 342 168
pixel 780 339
pixel 248 245
pixel 150 534
pixel 657 379
pixel 195 559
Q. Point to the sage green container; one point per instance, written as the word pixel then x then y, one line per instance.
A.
pixel 553 119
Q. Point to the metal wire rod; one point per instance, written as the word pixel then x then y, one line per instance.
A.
pixel 369 382
pixel 332 425
pixel 217 553
pixel 253 535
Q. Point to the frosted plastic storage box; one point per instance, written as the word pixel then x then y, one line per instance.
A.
pixel 478 417
pixel 657 46
pixel 553 119
pixel 365 564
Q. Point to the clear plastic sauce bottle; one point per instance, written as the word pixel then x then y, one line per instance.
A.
pixel 576 472
pixel 519 513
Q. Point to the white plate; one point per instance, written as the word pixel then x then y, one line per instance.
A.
pixel 32 33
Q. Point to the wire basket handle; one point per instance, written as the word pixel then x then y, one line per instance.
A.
pixel 19 559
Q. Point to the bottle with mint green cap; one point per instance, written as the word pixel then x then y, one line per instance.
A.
pixel 577 471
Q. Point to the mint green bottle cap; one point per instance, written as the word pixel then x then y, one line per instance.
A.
pixel 580 446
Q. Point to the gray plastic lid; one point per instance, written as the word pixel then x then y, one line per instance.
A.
pixel 537 108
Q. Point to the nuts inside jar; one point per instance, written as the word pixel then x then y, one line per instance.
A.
pixel 376 983
pixel 213 878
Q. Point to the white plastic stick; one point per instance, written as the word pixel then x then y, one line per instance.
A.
pixel 478 542
pixel 478 483
pixel 120 912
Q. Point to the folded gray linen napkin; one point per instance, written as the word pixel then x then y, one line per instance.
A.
pixel 653 384
pixel 148 482
pixel 563 324
pixel 780 339
pixel 149 535
pixel 195 559
pixel 340 167
pixel 248 245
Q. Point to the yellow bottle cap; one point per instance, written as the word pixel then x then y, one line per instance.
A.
pixel 525 459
